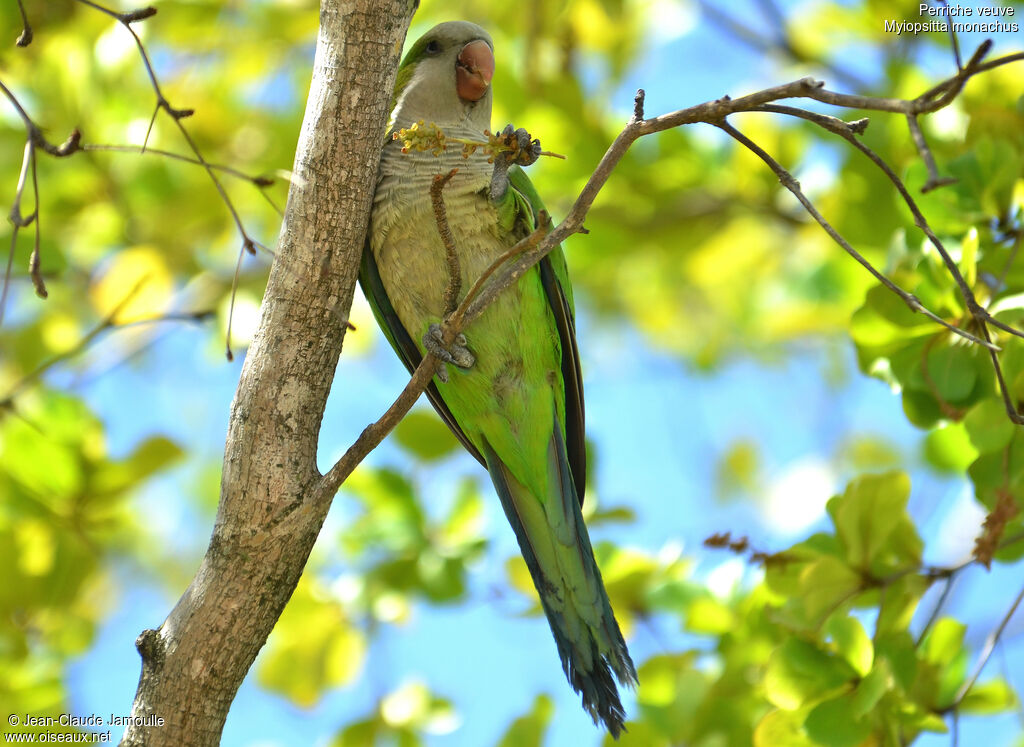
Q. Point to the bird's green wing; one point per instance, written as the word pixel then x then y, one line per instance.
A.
pixel 555 279
pixel 554 274
pixel 402 342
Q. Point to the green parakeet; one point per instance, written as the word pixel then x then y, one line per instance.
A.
pixel 513 392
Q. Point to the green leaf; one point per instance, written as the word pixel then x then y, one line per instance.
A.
pixel 994 696
pixel 944 649
pixel 899 650
pixel 852 643
pixel 872 523
pixel 611 515
pixel 673 696
pixel 949 448
pixel 780 727
pixel 833 723
pixel 951 371
pixel 871 689
pixel 149 457
pixel 944 641
pixel 709 616
pixel 799 673
pixel 423 435
pixel 462 529
pixel 312 648
pixel 988 426
pixel 899 602
pixel 825 585
pixel 921 408
pixel 529 730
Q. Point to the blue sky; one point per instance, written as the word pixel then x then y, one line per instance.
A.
pixel 643 408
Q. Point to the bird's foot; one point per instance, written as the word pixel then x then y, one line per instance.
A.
pixel 457 353
pixel 521 150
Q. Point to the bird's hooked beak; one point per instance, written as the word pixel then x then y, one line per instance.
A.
pixel 474 70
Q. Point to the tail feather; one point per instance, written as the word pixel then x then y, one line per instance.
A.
pixel 556 547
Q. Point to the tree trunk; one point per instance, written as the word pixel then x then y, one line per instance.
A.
pixel 270 510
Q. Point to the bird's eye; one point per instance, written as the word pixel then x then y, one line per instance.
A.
pixel 433 47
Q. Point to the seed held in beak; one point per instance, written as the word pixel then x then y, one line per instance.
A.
pixel 474 70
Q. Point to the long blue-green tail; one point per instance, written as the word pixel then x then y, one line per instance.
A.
pixel 556 547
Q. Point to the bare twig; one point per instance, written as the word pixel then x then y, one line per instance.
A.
pixel 109 322
pixel 793 186
pixel 534 247
pixel 231 307
pixel 33 261
pixel 18 221
pixel 954 43
pixel 34 138
pixel 25 37
pixel 36 135
pixel 177 115
pixel 260 181
pixel 980 314
pixel 481 295
pixel 947 587
pixel 73 144
pixel 935 180
pixel 986 652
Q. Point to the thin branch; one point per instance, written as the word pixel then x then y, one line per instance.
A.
pixel 790 183
pixel 947 587
pixel 260 181
pixel 986 653
pixel 479 299
pixel 25 37
pixel 177 115
pixel 34 259
pixel 979 313
pixel 35 134
pixel 712 112
pixel 126 19
pixel 7 272
pixel 15 215
pixel 34 138
pixel 935 180
pixel 1008 403
pixel 73 144
pixel 18 221
pixel 231 307
pixel 954 42
pixel 106 324
pixel 929 573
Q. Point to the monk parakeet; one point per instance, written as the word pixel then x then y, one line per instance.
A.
pixel 512 391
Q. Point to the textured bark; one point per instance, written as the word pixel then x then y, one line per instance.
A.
pixel 271 509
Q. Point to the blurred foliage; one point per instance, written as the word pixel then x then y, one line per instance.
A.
pixel 827 642
pixel 401 718
pixel 65 517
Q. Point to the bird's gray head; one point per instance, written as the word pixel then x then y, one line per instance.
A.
pixel 445 78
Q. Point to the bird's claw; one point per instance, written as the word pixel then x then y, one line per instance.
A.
pixel 457 353
pixel 523 150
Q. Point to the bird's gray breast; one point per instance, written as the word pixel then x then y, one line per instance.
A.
pixel 405 239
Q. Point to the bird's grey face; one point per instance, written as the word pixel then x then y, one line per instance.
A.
pixel 451 79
